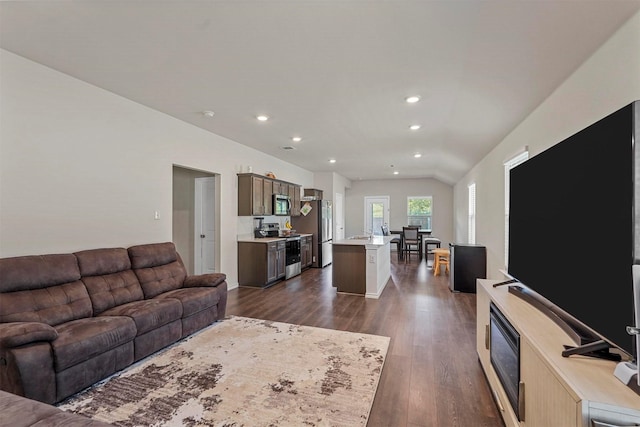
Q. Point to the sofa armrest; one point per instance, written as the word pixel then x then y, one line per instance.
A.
pixel 15 334
pixel 200 280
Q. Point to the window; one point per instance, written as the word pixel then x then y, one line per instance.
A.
pixel 472 214
pixel 508 165
pixel 419 211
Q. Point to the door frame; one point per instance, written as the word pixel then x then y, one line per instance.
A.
pixel 338 221
pixel 368 201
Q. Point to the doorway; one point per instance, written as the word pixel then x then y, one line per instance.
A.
pixel 338 207
pixel 196 214
pixel 376 214
pixel 204 260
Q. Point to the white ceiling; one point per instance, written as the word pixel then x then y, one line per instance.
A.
pixel 333 72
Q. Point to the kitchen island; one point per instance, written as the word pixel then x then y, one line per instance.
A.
pixel 362 265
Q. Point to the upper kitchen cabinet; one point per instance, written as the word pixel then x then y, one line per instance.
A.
pixel 280 188
pixel 255 194
pixel 294 196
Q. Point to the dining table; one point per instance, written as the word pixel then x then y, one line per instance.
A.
pixel 422 232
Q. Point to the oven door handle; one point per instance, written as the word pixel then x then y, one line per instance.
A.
pixel 521 401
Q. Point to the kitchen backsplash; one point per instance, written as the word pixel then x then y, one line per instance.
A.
pixel 246 223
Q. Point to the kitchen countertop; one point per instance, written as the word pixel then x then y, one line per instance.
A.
pixel 252 239
pixel 364 241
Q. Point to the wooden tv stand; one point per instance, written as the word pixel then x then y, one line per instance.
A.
pixel 558 391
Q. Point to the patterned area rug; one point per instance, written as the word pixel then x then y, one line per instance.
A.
pixel 245 372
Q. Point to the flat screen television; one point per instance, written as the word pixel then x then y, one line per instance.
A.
pixel 573 230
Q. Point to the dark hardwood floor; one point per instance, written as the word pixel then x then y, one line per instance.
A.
pixel 431 375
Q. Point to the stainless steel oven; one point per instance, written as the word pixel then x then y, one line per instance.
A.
pixel 293 267
pixel 504 353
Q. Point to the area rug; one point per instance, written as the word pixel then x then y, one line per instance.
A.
pixel 245 372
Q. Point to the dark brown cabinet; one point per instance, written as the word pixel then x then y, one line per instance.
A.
pixel 276 261
pixel 261 263
pixel 280 188
pixel 294 196
pixel 255 194
pixel 306 251
pixel 350 269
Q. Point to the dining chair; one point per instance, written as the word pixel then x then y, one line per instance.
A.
pixel 430 241
pixel 397 240
pixel 411 242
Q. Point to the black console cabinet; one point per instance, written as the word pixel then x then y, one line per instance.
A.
pixel 468 263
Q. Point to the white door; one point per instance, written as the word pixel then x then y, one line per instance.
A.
pixel 338 207
pixel 376 214
pixel 204 228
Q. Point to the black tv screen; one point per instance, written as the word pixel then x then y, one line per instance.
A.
pixel 571 226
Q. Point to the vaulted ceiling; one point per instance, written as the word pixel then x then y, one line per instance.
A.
pixel 334 73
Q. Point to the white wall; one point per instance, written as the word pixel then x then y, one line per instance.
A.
pixel 398 191
pixel 607 81
pixel 331 183
pixel 83 168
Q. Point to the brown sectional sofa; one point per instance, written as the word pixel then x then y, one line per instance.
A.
pixel 70 320
pixel 18 411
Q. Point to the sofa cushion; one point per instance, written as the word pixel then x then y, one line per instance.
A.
pixel 37 271
pixel 82 339
pixel 108 277
pixel 158 268
pixel 53 305
pixel 15 334
pixel 194 300
pixel 20 411
pixel 210 279
pixel 149 314
pixel 96 262
pixel 152 255
pixel 42 288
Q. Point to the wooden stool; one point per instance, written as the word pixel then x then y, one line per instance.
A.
pixel 441 258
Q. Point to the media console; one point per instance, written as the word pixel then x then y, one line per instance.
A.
pixel 554 390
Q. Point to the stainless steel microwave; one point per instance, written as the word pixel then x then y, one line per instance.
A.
pixel 281 204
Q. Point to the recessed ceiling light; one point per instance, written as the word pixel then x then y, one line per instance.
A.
pixel 412 99
pixel 414 127
pixel 262 117
pixel 417 155
pixel 332 160
pixel 396 172
pixel 208 113
pixel 296 139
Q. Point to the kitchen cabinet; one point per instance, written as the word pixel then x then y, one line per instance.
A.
pixel 261 263
pixel 255 194
pixel 280 188
pixel 276 260
pixel 294 196
pixel 555 390
pixel 306 251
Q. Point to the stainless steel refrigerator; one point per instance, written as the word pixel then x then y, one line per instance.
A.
pixel 319 222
